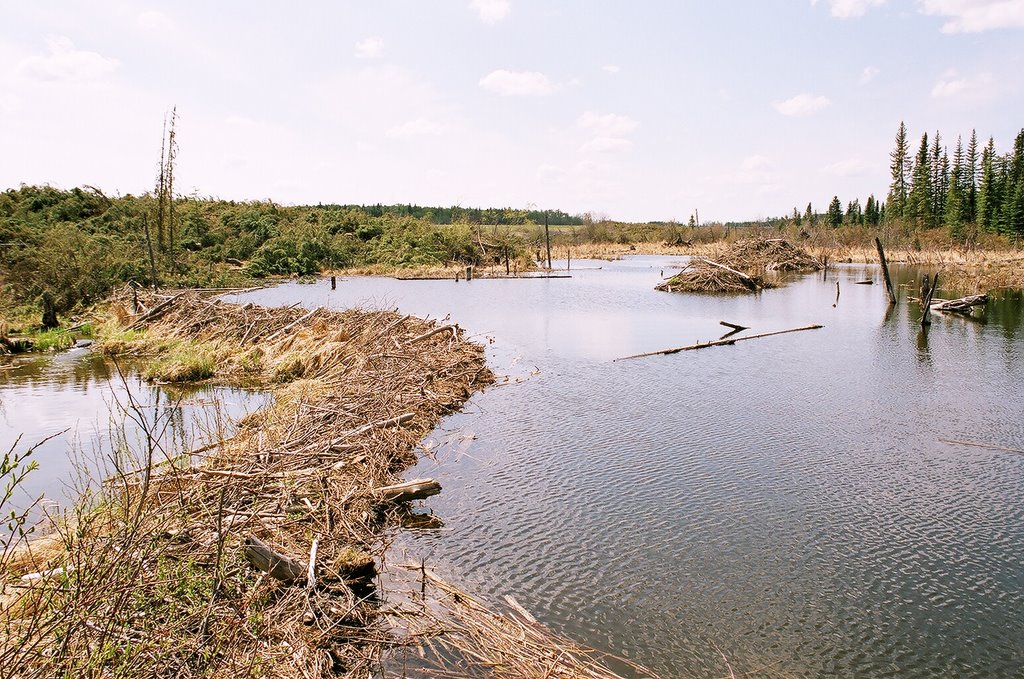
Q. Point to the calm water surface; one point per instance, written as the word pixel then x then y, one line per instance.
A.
pixel 789 500
pixel 82 399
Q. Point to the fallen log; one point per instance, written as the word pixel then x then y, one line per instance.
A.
pixel 885 271
pixel 155 312
pixel 294 323
pixel 272 563
pixel 454 329
pixel 417 489
pixel 747 280
pixel 959 306
pixel 734 326
pixel 717 343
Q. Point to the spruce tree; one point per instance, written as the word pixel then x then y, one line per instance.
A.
pixel 971 179
pixel 835 212
pixel 956 200
pixel 919 201
pixel 987 212
pixel 939 177
pixel 900 168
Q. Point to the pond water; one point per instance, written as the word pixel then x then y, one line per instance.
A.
pixel 85 403
pixel 794 501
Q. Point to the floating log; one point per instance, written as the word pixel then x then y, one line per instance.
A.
pixel 718 343
pixel 272 563
pixel 869 282
pixel 417 489
pixel 959 306
pixel 975 444
pixel 885 271
pixel 735 327
pixel 723 342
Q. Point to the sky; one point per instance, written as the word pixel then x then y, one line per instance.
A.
pixel 637 111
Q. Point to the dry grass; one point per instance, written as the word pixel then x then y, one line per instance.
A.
pixel 148 577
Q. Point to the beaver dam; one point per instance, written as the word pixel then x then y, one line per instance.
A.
pixel 256 555
pixel 741 267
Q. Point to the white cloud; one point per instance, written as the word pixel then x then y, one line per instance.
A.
pixel 975 16
pixel 606 145
pixel 65 63
pixel 868 74
pixel 550 174
pixel 846 9
pixel 155 20
pixel 518 83
pixel 851 167
pixel 418 127
pixel 491 11
pixel 757 163
pixel 611 68
pixel 802 105
pixel 369 48
pixel 952 84
pixel 607 124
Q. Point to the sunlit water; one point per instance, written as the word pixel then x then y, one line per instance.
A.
pixel 788 500
pixel 86 410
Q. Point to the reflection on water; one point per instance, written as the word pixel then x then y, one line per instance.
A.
pixel 99 413
pixel 790 500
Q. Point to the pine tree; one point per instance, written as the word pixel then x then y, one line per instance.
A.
pixel 919 201
pixel 956 199
pixel 971 180
pixel 988 198
pixel 900 167
pixel 939 178
pixel 809 215
pixel 1015 188
pixel 871 211
pixel 835 212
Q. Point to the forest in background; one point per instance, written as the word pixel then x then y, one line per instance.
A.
pixel 73 246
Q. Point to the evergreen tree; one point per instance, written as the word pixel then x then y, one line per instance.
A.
pixel 1015 188
pixel 854 214
pixel 919 201
pixel 988 198
pixel 900 167
pixel 809 215
pixel 970 184
pixel 956 198
pixel 796 216
pixel 835 212
pixel 939 179
pixel 871 215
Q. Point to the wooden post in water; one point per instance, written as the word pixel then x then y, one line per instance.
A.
pixel 547 237
pixel 568 259
pixel 469 273
pixel 885 271
pixel 334 283
pixel 925 317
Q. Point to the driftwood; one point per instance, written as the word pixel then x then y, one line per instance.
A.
pixel 885 271
pixel 747 280
pixel 155 312
pixel 417 489
pixel 454 329
pixel 294 323
pixel 718 343
pixel 272 563
pixel 926 316
pixel 975 444
pixel 959 306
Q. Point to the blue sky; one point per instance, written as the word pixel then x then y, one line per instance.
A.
pixel 636 111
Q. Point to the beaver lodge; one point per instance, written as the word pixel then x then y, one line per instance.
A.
pixel 741 267
pixel 256 555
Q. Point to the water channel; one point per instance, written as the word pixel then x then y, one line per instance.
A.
pixel 803 504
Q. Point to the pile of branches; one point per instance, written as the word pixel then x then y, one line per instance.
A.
pixel 776 254
pixel 253 555
pixel 703 275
